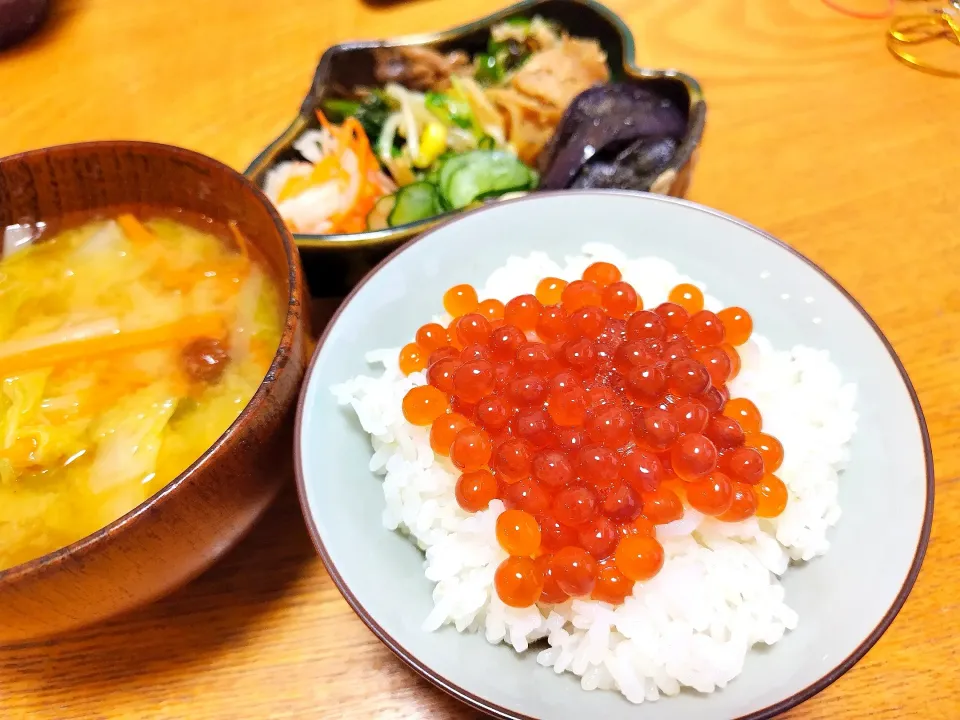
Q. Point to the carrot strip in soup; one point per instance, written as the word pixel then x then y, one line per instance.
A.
pixel 46 351
pixel 241 240
pixel 134 229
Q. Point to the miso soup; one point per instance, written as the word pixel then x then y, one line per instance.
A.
pixel 127 347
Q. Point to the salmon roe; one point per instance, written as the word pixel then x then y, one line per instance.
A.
pixel 412 359
pixel 444 430
pixel 460 300
pixel 518 532
pixel 639 557
pixel 518 581
pixel 578 294
pixel 549 290
pixel 523 312
pixel 492 310
pixel 471 449
pixel 475 490
pixel 771 496
pixel 745 413
pixel 424 404
pixel 769 448
pixel 620 300
pixel 432 336
pixel 607 425
pixel 687 296
pixel 602 274
pixel 737 323
pixel 612 585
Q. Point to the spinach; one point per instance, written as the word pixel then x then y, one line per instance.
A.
pixel 371 112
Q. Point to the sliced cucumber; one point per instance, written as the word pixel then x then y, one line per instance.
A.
pixel 417 201
pixel 481 174
pixel 449 167
pixel 377 218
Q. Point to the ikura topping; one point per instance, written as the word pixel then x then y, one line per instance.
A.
pixel 594 420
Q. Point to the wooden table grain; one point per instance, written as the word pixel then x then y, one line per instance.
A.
pixel 814 133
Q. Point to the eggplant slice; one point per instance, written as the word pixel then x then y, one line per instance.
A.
pixel 613 136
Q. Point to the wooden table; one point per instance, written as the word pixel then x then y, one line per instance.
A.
pixel 814 133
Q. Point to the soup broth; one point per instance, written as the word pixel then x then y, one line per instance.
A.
pixel 127 348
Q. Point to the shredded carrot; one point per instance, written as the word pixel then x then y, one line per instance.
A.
pixel 223 274
pixel 134 229
pixel 112 387
pixel 208 325
pixel 241 241
pixel 326 124
pixel 348 137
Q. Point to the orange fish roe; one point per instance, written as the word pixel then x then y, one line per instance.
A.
pixel 737 323
pixel 475 490
pixel 518 532
pixel 492 310
pixel 769 448
pixel 620 300
pixel 460 300
pixel 519 582
pixel 471 449
pixel 687 296
pixel 745 413
pixel 612 585
pixel 523 312
pixel 549 290
pixel 602 274
pixel 610 423
pixel 771 496
pixel 639 557
pixel 424 404
pixel 444 430
pixel 432 336
pixel 734 359
pixel 412 359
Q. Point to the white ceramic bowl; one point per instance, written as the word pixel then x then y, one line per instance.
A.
pixel 845 599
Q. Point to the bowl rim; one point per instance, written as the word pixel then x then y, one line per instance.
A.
pixel 292 320
pixel 376 238
pixel 491 708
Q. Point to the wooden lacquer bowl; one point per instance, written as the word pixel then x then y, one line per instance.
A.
pixel 182 529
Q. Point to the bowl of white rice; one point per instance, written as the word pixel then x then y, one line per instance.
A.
pixel 745 619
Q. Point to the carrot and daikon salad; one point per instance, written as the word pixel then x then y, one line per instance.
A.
pixel 338 191
pixel 127 347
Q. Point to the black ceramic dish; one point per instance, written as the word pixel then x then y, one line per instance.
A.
pixel 335 263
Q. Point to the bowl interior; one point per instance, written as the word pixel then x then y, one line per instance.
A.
pixel 843 599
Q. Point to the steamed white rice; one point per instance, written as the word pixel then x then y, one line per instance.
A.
pixel 718 593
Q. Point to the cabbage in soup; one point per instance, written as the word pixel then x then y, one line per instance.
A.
pixel 126 350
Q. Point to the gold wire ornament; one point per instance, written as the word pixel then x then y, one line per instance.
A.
pixel 937 25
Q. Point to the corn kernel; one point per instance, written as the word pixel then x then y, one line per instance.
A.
pixel 433 141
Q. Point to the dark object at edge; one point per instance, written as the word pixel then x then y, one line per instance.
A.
pixel 20 18
pixel 618 135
